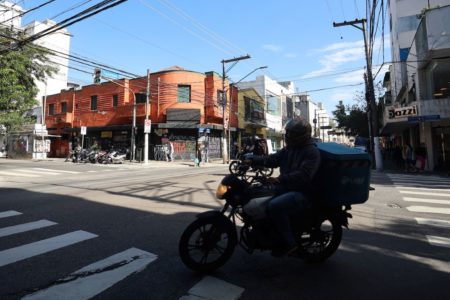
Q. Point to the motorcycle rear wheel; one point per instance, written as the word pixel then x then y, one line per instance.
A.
pixel 321 242
pixel 206 244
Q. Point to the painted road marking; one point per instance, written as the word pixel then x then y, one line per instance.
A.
pixel 435 201
pixel 438 241
pixel 210 288
pixel 9 213
pixel 17 174
pixel 37 172
pixel 426 209
pixel 429 188
pixel 25 227
pixel 433 222
pixel 425 193
pixel 97 277
pixel 29 250
pixel 52 170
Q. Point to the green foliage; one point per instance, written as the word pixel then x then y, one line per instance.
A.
pixel 19 70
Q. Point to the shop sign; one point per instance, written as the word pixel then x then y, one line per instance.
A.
pixel 106 134
pixel 402 112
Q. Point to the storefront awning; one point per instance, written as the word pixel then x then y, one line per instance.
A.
pixel 396 127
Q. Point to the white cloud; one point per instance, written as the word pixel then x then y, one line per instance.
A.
pixel 335 55
pixel 273 48
pixel 351 77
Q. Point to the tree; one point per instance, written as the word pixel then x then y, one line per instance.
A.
pixel 352 118
pixel 20 68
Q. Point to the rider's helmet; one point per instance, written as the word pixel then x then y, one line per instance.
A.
pixel 298 131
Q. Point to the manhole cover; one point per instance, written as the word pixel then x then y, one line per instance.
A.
pixel 393 205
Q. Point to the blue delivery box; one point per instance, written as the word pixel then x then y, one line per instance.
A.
pixel 344 175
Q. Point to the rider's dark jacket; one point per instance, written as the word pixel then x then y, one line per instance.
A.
pixel 298 166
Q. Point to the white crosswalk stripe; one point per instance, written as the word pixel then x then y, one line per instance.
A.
pixel 214 289
pixel 25 227
pixel 85 283
pixel 432 193
pixel 9 213
pixel 96 278
pixel 43 172
pixel 19 253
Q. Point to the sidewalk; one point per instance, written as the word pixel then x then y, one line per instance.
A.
pixel 136 164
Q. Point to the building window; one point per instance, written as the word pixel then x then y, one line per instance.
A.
pixel 141 98
pixel 51 109
pixel 220 98
pixel 273 105
pixel 184 93
pixel 254 110
pixel 93 102
pixel 115 100
pixel 63 107
pixel 441 79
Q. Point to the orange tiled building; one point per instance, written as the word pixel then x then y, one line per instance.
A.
pixel 184 108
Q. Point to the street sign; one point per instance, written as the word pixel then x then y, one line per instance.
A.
pixel 208 130
pixel 147 126
pixel 83 130
pixel 325 127
pixel 426 118
pixel 200 130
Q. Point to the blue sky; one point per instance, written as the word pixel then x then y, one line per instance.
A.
pixel 294 38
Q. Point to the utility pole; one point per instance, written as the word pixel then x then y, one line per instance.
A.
pixel 224 103
pixel 147 112
pixel 373 123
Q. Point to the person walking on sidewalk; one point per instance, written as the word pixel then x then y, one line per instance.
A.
pixel 170 151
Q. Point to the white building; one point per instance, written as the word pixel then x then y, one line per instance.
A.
pixel 316 115
pixel 279 105
pixel 58 41
pixel 417 101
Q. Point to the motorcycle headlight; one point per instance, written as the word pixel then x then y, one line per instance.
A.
pixel 221 190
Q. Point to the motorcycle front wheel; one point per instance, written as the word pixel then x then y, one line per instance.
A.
pixel 206 244
pixel 321 242
pixel 234 167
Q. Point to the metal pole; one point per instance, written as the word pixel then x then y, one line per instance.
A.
pixel 133 142
pixel 224 101
pixel 147 112
pixel 370 90
pixel 44 101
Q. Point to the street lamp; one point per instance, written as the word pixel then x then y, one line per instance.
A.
pixel 231 99
pixel 224 101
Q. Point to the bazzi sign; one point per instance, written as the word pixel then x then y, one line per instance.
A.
pixel 403 112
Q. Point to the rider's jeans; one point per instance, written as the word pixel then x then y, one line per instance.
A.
pixel 281 208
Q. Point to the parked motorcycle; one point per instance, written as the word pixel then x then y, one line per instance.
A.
pixel 209 241
pixel 114 157
pixel 236 164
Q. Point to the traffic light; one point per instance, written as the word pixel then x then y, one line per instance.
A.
pixel 97 76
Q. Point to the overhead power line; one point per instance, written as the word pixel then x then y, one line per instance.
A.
pixel 28 11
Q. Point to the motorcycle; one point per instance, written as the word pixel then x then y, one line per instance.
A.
pixel 236 164
pixel 115 157
pixel 209 241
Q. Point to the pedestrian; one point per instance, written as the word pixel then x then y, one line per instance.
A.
pixel 421 156
pixel 199 156
pixel 170 151
pixel 408 158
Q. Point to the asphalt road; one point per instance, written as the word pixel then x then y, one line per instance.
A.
pixel 111 232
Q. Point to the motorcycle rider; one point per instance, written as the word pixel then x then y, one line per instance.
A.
pixel 299 162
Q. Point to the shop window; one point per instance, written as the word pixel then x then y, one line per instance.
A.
pixel 51 109
pixel 115 100
pixel 63 107
pixel 441 79
pixel 184 93
pixel 94 102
